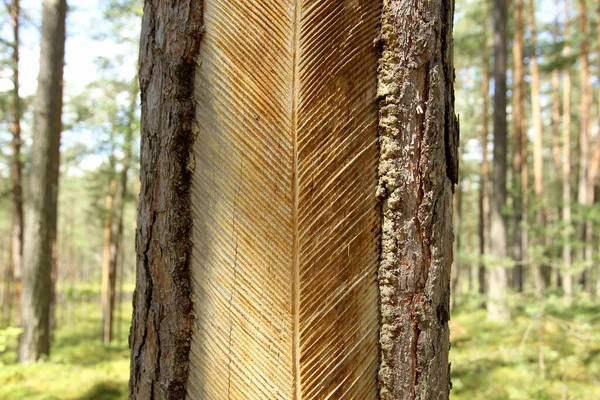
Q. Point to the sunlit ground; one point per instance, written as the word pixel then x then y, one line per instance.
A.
pixel 489 361
pixel 492 361
pixel 80 366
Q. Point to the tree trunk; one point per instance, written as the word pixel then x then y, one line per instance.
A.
pixel 16 167
pixel 116 228
pixel 556 156
pixel 566 169
pixel 519 128
pixel 108 218
pixel 496 306
pixel 584 251
pixel 536 116
pixel 43 185
pixel 456 266
pixel 484 198
pixel 260 212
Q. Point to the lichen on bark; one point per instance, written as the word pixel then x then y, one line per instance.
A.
pixel 417 170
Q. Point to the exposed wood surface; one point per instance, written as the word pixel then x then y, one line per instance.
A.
pixel 286 221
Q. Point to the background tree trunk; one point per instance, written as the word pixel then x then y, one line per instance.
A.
pixel 556 153
pixel 275 294
pixel 566 169
pixel 116 228
pixel 496 306
pixel 108 222
pixel 519 128
pixel 583 193
pixel 16 167
pixel 43 185
pixel 484 196
pixel 536 116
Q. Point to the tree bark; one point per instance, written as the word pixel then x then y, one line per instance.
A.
pixel 260 214
pixel 43 186
pixel 162 317
pixel 496 306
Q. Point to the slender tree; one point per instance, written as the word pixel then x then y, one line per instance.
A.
pixel 484 196
pixel 583 253
pixel 116 228
pixel 108 220
pixel 556 153
pixel 16 251
pixel 536 116
pixel 567 253
pixel 43 185
pixel 518 128
pixel 266 184
pixel 496 305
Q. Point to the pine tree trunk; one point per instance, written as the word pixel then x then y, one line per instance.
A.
pixel 536 116
pixel 456 266
pixel 16 167
pixel 584 231
pixel 556 155
pixel 519 127
pixel 496 306
pixel 484 198
pixel 263 232
pixel 566 169
pixel 108 223
pixel 43 186
pixel 116 228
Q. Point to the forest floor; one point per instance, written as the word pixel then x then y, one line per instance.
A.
pixel 80 365
pixel 489 361
pixel 502 361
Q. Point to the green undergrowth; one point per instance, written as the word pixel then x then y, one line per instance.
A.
pixel 494 361
pixel 490 361
pixel 80 365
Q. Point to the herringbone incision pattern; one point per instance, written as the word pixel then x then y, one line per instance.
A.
pixel 285 218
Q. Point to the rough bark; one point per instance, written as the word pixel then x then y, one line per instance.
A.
pixel 496 305
pixel 519 128
pixel 566 169
pixel 418 167
pixel 162 317
pixel 43 186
